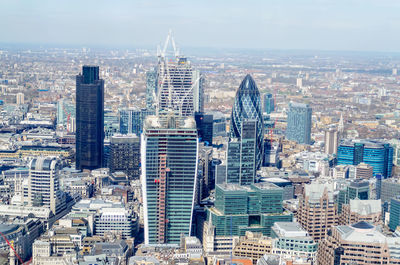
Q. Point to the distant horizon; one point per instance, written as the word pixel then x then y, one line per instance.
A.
pixel 26 45
pixel 317 25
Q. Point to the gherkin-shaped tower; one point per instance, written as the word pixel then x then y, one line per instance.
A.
pixel 248 106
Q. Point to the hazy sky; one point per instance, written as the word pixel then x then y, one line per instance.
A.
pixel 271 24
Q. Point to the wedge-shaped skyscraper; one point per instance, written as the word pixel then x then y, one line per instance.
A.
pixel 169 150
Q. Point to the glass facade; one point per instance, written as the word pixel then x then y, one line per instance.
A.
pixel 131 120
pixel 179 86
pixel 151 89
pixel 356 189
pixel 89 119
pixel 247 105
pixel 377 154
pixel 204 124
pixel 269 104
pixel 125 155
pixel 394 221
pixel 65 111
pixel 238 209
pixel 299 123
pixel 169 173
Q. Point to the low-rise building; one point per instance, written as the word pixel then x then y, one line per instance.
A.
pixel 359 243
pixel 254 246
pixel 292 240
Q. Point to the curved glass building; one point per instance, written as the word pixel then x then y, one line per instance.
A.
pixel 378 154
pixel 248 106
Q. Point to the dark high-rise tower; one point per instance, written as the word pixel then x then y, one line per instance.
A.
pixel 248 106
pixel 204 123
pixel 89 118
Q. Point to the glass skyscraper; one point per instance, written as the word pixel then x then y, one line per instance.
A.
pixel 375 153
pixel 247 105
pixel 241 155
pixel 180 86
pixel 131 120
pixel 394 220
pixel 151 89
pixel 169 151
pixel 299 123
pixel 65 114
pixel 89 118
pixel 204 124
pixel 269 104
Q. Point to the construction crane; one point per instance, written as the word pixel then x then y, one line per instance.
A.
pixel 175 98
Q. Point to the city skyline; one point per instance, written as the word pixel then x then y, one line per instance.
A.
pixel 306 25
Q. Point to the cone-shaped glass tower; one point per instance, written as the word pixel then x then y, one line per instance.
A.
pixel 248 106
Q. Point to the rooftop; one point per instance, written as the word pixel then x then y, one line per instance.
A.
pixel 365 207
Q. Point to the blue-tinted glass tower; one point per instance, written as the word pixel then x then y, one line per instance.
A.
pixel 131 120
pixel 89 119
pixel 394 221
pixel 247 105
pixel 299 123
pixel 375 153
pixel 269 104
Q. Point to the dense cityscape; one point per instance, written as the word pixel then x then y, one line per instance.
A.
pixel 169 156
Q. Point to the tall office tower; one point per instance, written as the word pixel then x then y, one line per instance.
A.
pixel 66 111
pixel 359 243
pixel 241 155
pixel 180 86
pixel 394 220
pixel 331 141
pixel 248 106
pixel 20 98
pixel 377 154
pixel 390 188
pixel 358 188
pixel 219 124
pixel 254 208
pixel 125 154
pixel 204 123
pixel 299 82
pixel 131 120
pixel 269 104
pixel 111 123
pixel 89 118
pixel 169 151
pixel 395 143
pixel 317 210
pixel 43 184
pixel 299 123
pixel 205 174
pixel 151 89
pixel 341 126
